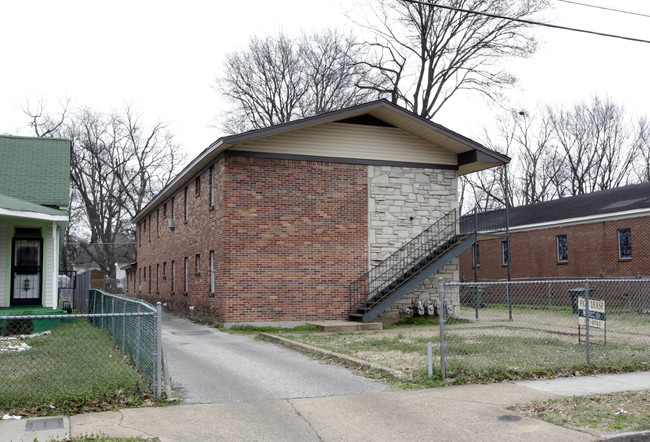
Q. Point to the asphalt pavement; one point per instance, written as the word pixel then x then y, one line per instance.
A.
pixel 208 366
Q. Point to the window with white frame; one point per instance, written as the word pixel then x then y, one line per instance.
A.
pixel 212 186
pixel 624 243
pixel 187 274
pixel 505 253
pixel 562 248
pixel 173 276
pixel 212 271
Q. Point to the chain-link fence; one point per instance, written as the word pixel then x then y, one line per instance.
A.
pixel 524 327
pixel 79 357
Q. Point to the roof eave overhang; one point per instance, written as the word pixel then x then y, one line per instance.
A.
pixel 466 149
pixel 33 215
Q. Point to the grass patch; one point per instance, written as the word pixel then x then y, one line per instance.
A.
pixel 74 368
pixel 255 330
pixel 606 413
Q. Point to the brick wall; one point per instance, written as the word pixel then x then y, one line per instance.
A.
pixel 159 247
pixel 296 236
pixel 592 252
pixel 288 238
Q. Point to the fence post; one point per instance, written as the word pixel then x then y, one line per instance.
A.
pixel 113 320
pixel 587 319
pixel 137 339
pixel 124 328
pixel 441 318
pixel 638 292
pixel 158 349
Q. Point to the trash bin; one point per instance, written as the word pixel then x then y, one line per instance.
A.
pixel 574 293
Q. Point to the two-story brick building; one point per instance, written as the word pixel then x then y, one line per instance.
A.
pixel 34 200
pixel 272 225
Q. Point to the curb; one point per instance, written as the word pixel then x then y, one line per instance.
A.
pixel 628 437
pixel 343 358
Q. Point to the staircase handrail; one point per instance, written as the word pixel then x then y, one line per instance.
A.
pixel 407 256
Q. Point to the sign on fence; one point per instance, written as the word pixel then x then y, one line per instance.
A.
pixel 596 312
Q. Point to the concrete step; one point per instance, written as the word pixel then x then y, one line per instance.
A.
pixel 345 326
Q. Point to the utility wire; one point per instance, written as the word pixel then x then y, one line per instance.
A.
pixel 530 22
pixel 605 8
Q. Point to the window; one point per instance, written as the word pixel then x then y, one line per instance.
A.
pixel 157 278
pixel 477 256
pixel 505 253
pixel 562 249
pixel 145 273
pixel 173 276
pixel 139 234
pixel 140 280
pixel 150 229
pixel 165 270
pixel 211 186
pixel 165 211
pixel 150 278
pixel 197 263
pixel 624 243
pixel 158 223
pixel 212 272
pixel 172 208
pixel 187 271
pixel 197 186
pixel 186 207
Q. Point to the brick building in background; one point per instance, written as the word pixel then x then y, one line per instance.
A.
pixel 272 225
pixel 602 234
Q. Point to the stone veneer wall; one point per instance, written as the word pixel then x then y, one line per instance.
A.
pixel 402 202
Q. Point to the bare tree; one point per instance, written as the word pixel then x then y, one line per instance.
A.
pixel 558 152
pixel 117 165
pixel 598 143
pixel 277 79
pixel 425 54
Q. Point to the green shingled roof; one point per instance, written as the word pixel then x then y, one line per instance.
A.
pixel 18 205
pixel 35 170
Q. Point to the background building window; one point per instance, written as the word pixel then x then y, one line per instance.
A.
pixel 173 276
pixel 624 243
pixel 198 264
pixel 505 253
pixel 562 249
pixel 476 256
pixel 186 207
pixel 212 271
pixel 212 186
pixel 187 272
pixel 197 186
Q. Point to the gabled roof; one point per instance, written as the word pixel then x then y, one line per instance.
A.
pixel 472 156
pixel 626 201
pixel 36 169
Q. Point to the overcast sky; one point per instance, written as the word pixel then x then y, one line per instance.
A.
pixel 162 57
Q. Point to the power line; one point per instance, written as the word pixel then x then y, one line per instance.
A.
pixel 530 22
pixel 605 8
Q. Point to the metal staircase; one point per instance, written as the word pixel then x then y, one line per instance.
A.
pixel 408 267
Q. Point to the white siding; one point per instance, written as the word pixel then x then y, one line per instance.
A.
pixel 342 140
pixel 5 251
pixel 49 269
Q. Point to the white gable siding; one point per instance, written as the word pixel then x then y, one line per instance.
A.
pixel 342 140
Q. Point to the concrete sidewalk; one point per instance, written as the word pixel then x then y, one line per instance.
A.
pixel 459 413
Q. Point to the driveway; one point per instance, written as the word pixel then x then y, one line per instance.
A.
pixel 208 366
